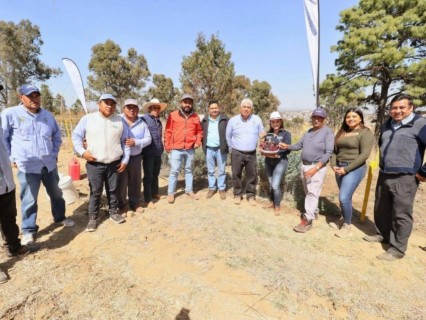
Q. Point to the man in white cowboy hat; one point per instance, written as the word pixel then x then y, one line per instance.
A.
pixel 151 154
pixel 182 136
pixel 106 155
pixel 130 180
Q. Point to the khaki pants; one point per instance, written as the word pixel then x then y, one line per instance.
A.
pixel 312 186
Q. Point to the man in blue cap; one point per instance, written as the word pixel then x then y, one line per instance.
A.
pixel 317 146
pixel 32 138
pixel 106 155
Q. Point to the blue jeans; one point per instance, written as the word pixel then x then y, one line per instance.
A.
pixel 177 157
pixel 347 186
pixel 213 157
pixel 275 170
pixel 30 185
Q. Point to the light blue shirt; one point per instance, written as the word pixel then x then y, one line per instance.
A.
pixel 213 133
pixel 139 131
pixel 399 124
pixel 243 134
pixel 32 140
pixel 6 175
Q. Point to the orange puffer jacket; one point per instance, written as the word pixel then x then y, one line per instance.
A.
pixel 182 132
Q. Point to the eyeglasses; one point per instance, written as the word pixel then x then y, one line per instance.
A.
pixel 156 107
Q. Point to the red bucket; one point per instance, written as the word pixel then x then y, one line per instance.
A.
pixel 74 169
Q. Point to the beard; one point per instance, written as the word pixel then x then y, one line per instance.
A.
pixel 187 110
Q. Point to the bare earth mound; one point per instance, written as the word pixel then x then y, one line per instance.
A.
pixel 212 259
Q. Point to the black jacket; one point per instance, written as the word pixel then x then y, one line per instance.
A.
pixel 223 122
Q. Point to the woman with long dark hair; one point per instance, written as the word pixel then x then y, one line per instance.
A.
pixel 353 144
pixel 276 161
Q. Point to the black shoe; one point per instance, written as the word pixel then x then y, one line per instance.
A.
pixel 24 250
pixel 92 225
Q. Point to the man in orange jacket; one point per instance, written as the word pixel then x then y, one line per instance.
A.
pixel 182 136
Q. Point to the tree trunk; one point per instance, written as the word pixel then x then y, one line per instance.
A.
pixel 381 111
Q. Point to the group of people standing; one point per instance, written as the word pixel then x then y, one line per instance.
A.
pixel 117 147
pixel 402 144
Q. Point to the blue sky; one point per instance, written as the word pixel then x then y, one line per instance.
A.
pixel 267 38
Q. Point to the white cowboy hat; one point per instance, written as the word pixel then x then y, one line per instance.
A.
pixel 154 102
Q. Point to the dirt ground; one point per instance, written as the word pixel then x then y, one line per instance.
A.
pixel 212 259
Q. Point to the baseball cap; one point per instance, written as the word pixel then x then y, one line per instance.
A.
pixel 186 96
pixel 27 89
pixel 275 115
pixel 319 112
pixel 131 102
pixel 106 96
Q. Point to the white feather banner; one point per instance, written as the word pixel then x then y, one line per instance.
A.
pixel 76 80
pixel 312 30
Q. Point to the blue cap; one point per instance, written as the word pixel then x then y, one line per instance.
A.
pixel 106 96
pixel 27 89
pixel 319 112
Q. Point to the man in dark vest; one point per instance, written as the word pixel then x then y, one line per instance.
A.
pixel 151 154
pixel 215 148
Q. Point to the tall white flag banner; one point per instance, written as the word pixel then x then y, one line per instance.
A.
pixel 76 80
pixel 312 29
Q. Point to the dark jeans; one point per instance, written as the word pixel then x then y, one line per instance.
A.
pixel 275 170
pixel 9 228
pixel 151 171
pixel 393 208
pixel 130 182
pixel 98 174
pixel 247 162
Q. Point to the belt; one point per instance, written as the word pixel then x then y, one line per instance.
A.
pixel 342 163
pixel 246 152
pixel 214 148
pixel 306 163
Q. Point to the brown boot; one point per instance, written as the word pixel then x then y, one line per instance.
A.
pixel 210 193
pixel 171 198
pixel 304 225
pixel 222 194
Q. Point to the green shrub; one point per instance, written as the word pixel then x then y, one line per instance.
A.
pixel 291 183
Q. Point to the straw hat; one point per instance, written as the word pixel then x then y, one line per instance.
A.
pixel 154 102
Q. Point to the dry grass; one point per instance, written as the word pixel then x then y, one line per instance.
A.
pixel 211 259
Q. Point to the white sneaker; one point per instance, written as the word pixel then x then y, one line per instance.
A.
pixel 27 239
pixel 336 225
pixel 344 232
pixel 67 223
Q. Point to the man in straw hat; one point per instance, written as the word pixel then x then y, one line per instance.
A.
pixel 106 155
pixel 151 154
pixel 32 138
pixel 182 136
pixel 130 180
